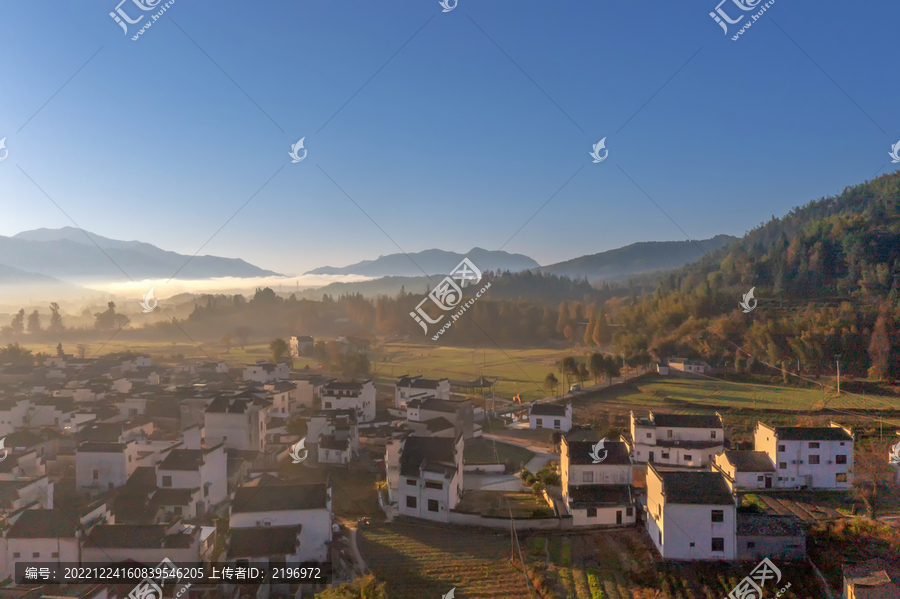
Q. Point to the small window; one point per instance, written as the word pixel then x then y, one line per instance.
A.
pixel 665 455
pixel 660 537
pixel 649 435
pixel 434 485
pixel 629 512
pixel 759 478
pixel 587 477
pixel 750 544
pixel 96 475
pixel 592 512
pixel 16 554
pixel 781 448
pixel 718 515
pixel 840 459
pixel 555 424
pixel 813 459
pixel 410 501
pixel 688 457
pixel 167 481
pixel 692 544
pixel 206 490
pixel 539 422
pixel 782 466
pixel 432 505
pixel 813 445
pixel 718 544
pixel 327 405
pixel 36 554
pixel 178 510
pixel 842 443
pixel 411 482
pixel 840 477
pixel 54 554
pixel 669 433
pixel 129 458
pixel 712 434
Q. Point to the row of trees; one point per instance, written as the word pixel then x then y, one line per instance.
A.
pixel 32 323
pixel 597 366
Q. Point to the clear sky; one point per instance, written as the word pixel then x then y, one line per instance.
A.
pixel 438 135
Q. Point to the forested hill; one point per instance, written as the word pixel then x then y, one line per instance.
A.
pixel 826 276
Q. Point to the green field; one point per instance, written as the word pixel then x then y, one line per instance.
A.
pixel 484 451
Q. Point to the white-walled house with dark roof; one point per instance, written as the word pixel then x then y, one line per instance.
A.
pixel 691 515
pixel 691 440
pixel 816 457
pixel 552 416
pixel 425 475
pixel 597 493
pixel 744 470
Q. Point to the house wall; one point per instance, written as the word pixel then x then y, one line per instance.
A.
pixel 794 473
pixel 550 422
pixel 333 456
pixel 113 468
pixel 315 533
pixel 245 431
pixel 777 548
pixel 686 524
pixel 68 550
pixel 106 555
pixel 606 516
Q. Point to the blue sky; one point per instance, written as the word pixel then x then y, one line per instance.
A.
pixel 450 144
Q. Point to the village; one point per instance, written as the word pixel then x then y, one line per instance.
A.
pixel 115 460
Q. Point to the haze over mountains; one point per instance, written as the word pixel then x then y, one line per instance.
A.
pixel 433 262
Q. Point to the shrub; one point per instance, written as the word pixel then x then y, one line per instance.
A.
pixel 538 488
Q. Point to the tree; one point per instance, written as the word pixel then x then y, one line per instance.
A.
pixel 600 334
pixel 243 334
pixel 82 350
pixel 59 351
pixel 278 348
pixel 16 355
pixel 611 366
pixel 550 382
pixel 784 372
pixel 364 587
pixel 227 341
pixel 879 350
pixel 589 331
pixel 563 320
pixel 108 319
pixel 18 322
pixel 56 324
pixel 583 373
pixel 567 366
pixel 596 366
pixel 34 323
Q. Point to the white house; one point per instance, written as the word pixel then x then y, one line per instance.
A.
pixel 339 424
pixel 300 344
pixel 546 415
pixel 597 492
pixel 331 450
pixel 745 470
pixel 308 390
pixel 239 421
pixel 676 439
pixel 281 521
pixel 41 536
pixel 689 366
pixel 691 515
pixel 338 395
pixel 425 475
pixel 280 394
pixel 103 466
pixel 460 412
pixel 818 457
pixel 415 387
pixel 18 494
pixel 12 414
pixel 204 472
pixel 267 372
pixel 662 368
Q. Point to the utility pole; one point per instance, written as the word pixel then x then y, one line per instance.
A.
pixel 838 358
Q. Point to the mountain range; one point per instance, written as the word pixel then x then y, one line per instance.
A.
pixel 70 254
pixel 433 262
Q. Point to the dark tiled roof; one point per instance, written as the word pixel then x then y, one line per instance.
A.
pixel 343 386
pixel 438 405
pixel 329 442
pixel 599 495
pixel 812 433
pixel 104 432
pixel 438 424
pixel 263 541
pixel 874 579
pixel 547 409
pixel 699 488
pixel 687 420
pixel 765 525
pixel 288 497
pixel 135 536
pixel 92 447
pixel 419 451
pixel 44 524
pixel 579 453
pixel 182 459
pixel 688 444
pixel 750 461
pixel 174 496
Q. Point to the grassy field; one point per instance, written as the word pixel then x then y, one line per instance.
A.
pixel 482 451
pixel 499 504
pixel 427 561
pixel 623 564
